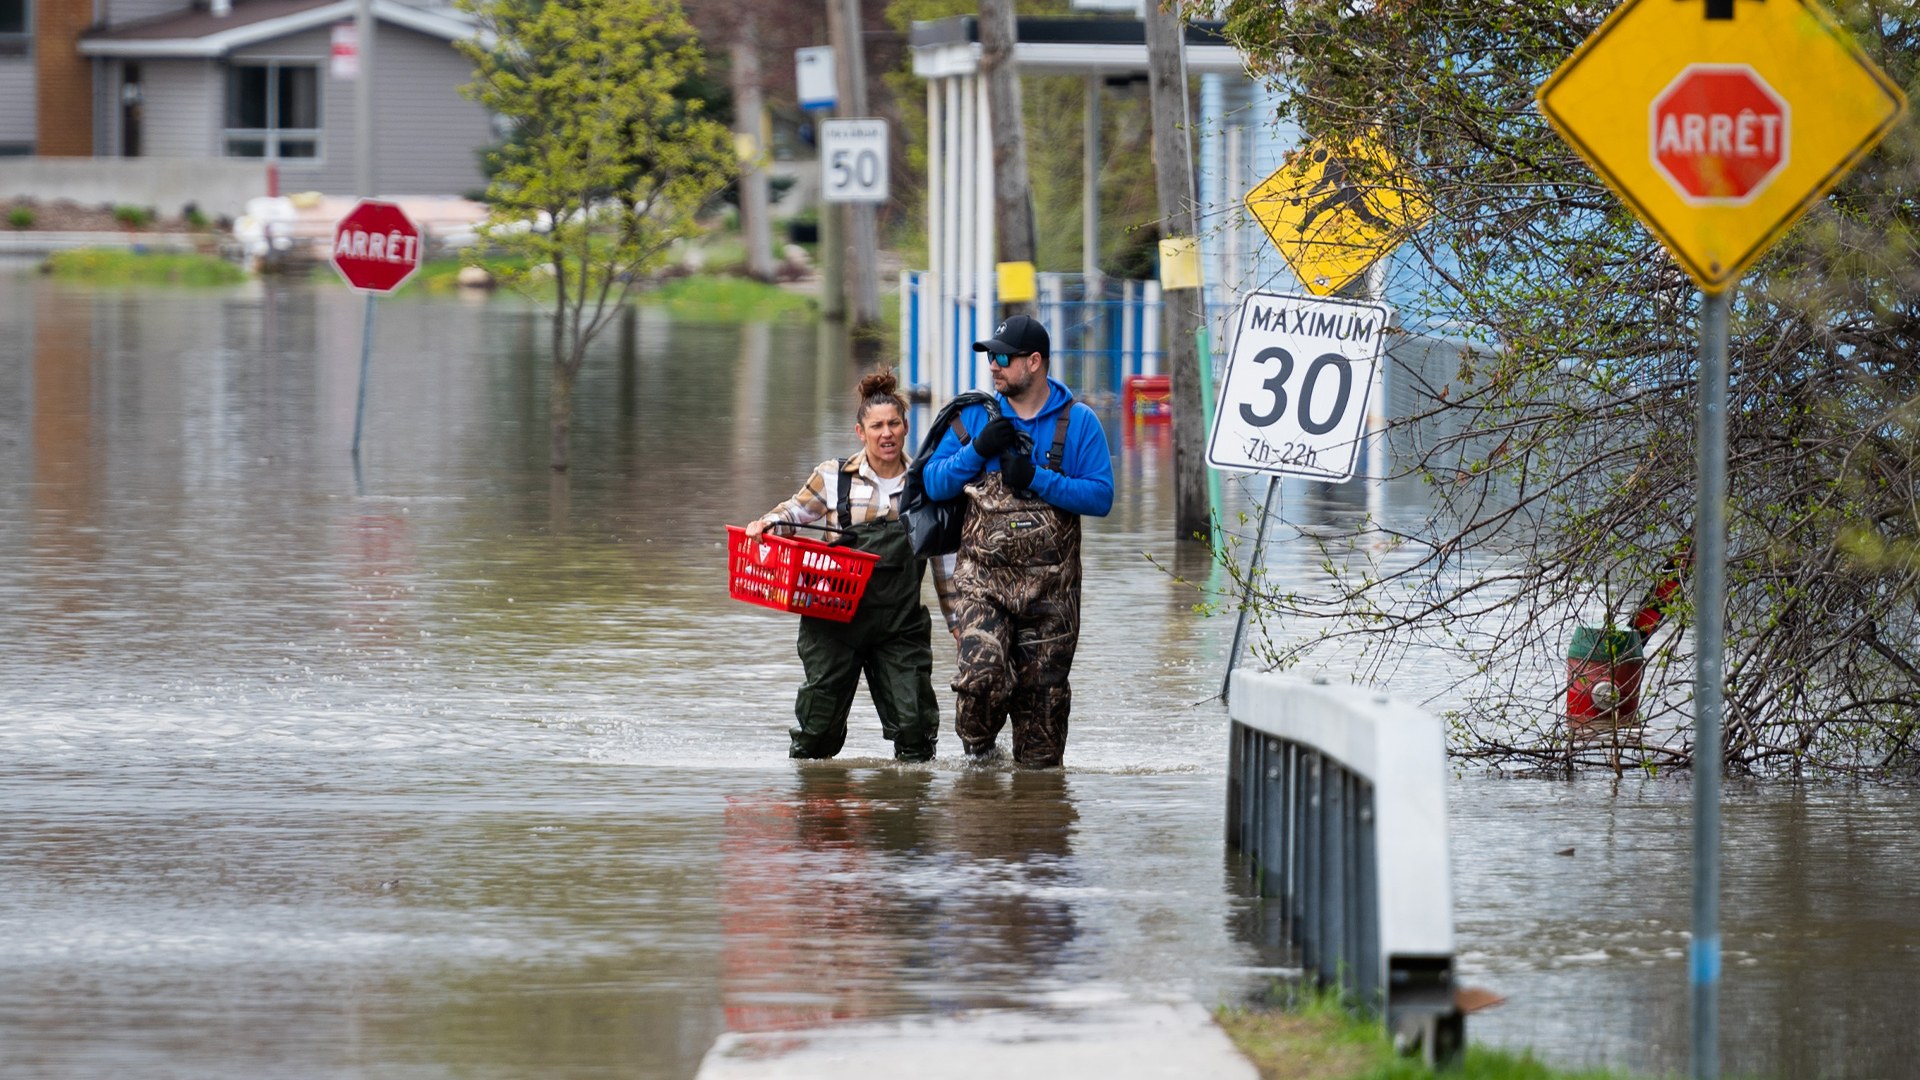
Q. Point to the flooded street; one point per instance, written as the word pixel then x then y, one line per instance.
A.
pixel 452 768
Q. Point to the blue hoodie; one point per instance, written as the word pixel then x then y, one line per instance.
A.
pixel 1084 484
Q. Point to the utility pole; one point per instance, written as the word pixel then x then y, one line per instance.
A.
pixel 749 114
pixel 1173 181
pixel 846 28
pixel 833 237
pixel 833 242
pixel 363 99
pixel 1012 191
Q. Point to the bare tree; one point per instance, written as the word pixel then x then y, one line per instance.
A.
pixel 1555 443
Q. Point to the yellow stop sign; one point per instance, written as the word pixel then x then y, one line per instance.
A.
pixel 1720 132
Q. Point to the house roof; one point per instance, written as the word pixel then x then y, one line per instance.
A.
pixel 199 32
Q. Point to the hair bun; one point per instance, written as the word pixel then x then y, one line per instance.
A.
pixel 879 384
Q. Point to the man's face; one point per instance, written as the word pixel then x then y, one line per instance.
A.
pixel 1014 379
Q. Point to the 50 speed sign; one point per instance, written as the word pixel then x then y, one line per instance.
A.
pixel 1295 397
pixel 853 161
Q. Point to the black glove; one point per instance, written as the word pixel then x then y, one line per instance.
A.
pixel 1017 470
pixel 996 438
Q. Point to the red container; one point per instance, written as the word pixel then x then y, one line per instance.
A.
pixel 1147 397
pixel 787 573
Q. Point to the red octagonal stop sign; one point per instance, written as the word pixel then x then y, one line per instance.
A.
pixel 376 246
pixel 1719 134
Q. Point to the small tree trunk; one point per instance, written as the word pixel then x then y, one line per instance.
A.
pixel 560 395
pixel 560 417
pixel 1173 180
pixel 1012 191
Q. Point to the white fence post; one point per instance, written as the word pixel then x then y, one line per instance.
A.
pixel 1150 347
pixel 909 330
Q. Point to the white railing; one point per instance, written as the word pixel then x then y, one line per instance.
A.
pixel 1337 798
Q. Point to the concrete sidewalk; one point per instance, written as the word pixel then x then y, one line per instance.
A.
pixel 1117 1042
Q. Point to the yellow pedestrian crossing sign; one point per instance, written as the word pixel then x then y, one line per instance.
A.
pixel 1719 122
pixel 1332 212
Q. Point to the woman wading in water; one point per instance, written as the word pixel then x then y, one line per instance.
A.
pixel 890 637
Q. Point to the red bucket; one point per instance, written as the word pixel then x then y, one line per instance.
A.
pixel 787 573
pixel 1148 398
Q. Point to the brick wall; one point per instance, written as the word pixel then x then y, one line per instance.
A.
pixel 65 78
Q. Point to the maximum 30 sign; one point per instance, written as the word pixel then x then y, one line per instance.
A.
pixel 1295 397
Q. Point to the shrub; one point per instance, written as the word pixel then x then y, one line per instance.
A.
pixel 21 217
pixel 133 217
pixel 111 266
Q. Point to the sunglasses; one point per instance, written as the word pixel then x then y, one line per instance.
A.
pixel 1002 359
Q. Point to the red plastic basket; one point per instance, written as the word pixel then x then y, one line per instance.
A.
pixel 787 573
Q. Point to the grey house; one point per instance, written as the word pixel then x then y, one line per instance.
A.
pixel 256 80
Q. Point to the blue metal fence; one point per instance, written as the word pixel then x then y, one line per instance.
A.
pixel 1098 339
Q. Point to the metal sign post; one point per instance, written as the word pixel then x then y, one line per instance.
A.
pixel 1719 124
pixel 376 248
pixel 1254 563
pixel 1703 973
pixel 366 356
pixel 1294 402
pixel 1333 213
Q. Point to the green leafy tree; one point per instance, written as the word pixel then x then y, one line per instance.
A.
pixel 609 161
pixel 1557 445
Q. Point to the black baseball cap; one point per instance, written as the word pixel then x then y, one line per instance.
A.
pixel 1018 336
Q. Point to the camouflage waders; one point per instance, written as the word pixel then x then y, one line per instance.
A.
pixel 890 639
pixel 1018 607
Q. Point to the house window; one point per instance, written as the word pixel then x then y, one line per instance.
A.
pixel 273 110
pixel 16 27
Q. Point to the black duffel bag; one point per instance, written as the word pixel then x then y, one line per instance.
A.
pixel 934 527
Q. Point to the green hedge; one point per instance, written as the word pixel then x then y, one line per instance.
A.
pixel 123 266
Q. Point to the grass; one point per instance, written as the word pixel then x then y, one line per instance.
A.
pixel 1318 1039
pixel 725 299
pixel 440 275
pixel 724 250
pixel 115 266
pixel 700 297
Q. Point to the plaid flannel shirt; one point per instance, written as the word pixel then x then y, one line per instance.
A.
pixel 816 498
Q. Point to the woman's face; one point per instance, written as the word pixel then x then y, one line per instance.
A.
pixel 883 431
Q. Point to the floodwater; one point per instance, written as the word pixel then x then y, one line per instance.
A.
pixel 450 768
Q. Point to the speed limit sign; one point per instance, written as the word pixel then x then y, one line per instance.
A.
pixel 853 160
pixel 1295 397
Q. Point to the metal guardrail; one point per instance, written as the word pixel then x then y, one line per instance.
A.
pixel 1337 798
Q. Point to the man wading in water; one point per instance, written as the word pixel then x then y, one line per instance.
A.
pixel 1017 578
pixel 890 637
